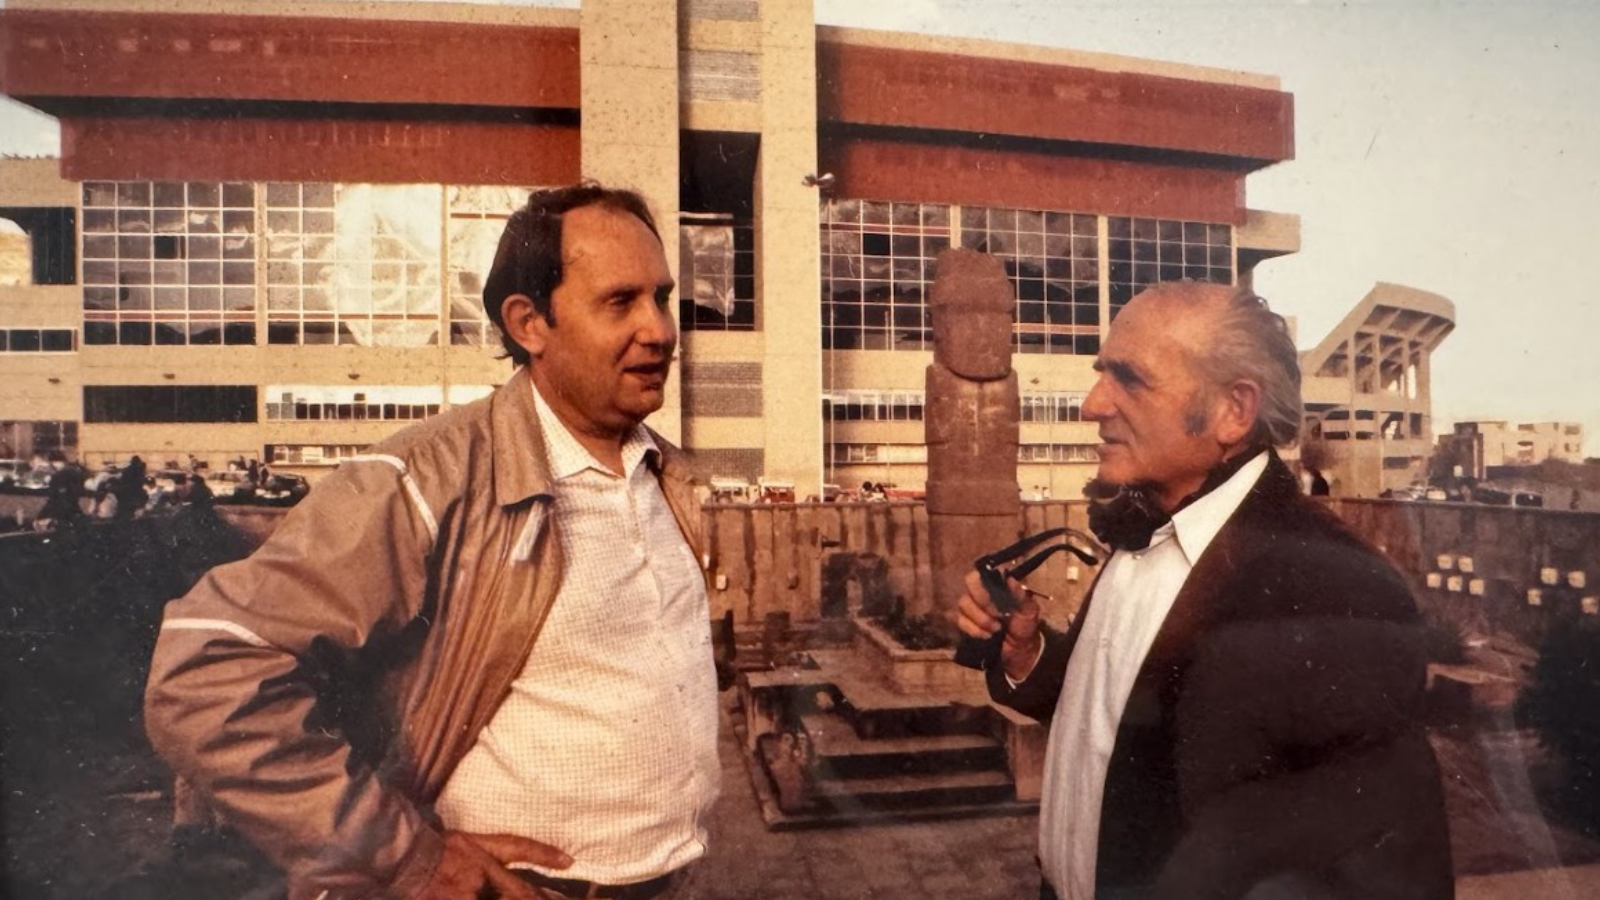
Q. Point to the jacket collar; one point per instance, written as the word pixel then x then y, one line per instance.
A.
pixel 521 469
pixel 521 466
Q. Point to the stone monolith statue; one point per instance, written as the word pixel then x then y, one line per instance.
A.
pixel 970 420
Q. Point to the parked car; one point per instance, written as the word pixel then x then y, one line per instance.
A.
pixel 282 489
pixel 1490 496
pixel 231 486
pixel 11 471
pixel 35 481
pixel 729 490
pixel 164 486
pixel 1499 497
pixel 773 491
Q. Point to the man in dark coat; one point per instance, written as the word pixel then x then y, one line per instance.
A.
pixel 129 488
pixel 1235 709
pixel 63 505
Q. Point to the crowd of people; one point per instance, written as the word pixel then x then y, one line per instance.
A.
pixel 118 493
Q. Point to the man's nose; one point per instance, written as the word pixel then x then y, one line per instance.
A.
pixel 1097 406
pixel 657 325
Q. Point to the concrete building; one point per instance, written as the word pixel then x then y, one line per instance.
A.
pixel 271 219
pixel 1368 388
pixel 1477 447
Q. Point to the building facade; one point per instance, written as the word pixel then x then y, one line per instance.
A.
pixel 1368 388
pixel 271 221
pixel 1477 447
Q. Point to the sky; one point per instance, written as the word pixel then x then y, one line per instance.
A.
pixel 1446 145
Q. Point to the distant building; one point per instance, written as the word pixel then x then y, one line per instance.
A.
pixel 280 215
pixel 1369 390
pixel 1481 446
pixel 269 228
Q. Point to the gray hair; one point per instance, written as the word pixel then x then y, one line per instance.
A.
pixel 1246 341
pixel 1251 342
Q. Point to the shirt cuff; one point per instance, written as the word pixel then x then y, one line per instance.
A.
pixel 1035 664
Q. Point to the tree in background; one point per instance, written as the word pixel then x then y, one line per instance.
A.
pixel 1562 703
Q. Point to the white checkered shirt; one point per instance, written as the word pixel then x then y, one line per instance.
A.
pixel 607 744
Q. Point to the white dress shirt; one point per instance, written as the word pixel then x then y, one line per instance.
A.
pixel 606 746
pixel 1132 599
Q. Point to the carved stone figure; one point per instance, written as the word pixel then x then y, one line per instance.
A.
pixel 970 420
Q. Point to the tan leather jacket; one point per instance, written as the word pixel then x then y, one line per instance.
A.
pixel 321 692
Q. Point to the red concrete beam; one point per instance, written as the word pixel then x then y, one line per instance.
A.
pixel 875 86
pixel 48 54
pixel 929 172
pixel 363 150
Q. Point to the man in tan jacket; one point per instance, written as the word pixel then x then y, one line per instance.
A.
pixel 476 661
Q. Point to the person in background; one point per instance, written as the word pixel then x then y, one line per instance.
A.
pixel 129 489
pixel 63 505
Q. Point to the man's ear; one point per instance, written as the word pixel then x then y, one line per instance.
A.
pixel 525 324
pixel 1236 417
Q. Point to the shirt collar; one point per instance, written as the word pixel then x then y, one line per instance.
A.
pixel 568 457
pixel 1197 524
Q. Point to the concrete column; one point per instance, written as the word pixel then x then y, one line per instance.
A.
pixel 1424 399
pixel 788 267
pixel 628 51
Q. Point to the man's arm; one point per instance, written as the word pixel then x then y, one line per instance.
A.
pixel 1298 742
pixel 231 703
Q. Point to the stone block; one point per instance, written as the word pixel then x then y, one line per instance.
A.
pixel 971 431
pixel 972 305
pixel 1026 741
pixel 955 542
pixel 913 671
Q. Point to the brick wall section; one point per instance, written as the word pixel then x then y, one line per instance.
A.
pixel 768 558
pixel 763 550
pixel 1508 546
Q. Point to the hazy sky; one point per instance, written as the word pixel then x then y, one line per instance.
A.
pixel 1450 146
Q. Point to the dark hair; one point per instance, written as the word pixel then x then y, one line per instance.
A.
pixel 528 260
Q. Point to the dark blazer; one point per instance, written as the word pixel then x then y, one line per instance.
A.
pixel 1273 733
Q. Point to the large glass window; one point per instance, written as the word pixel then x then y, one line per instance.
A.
pixel 1143 252
pixel 716 274
pixel 345 403
pixel 877 267
pixel 353 264
pixel 1053 406
pixel 312 454
pixel 186 262
pixel 873 406
pixel 169 263
pixel 38 340
pixel 908 454
pixel 155 403
pixel 1057 453
pixel 1054 263
pixel 25 439
pixel 477 217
